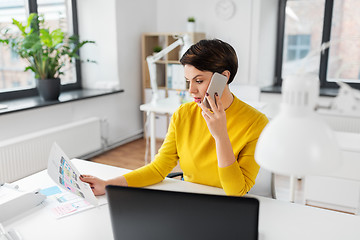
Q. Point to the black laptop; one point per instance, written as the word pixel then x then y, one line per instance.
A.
pixel 145 214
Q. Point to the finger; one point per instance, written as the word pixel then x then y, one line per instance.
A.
pixel 211 101
pixel 220 106
pixel 88 179
pixel 85 175
pixel 205 110
pixel 205 115
pixel 201 105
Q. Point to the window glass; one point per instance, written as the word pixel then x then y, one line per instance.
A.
pixel 302 35
pixel 56 15
pixel 344 53
pixel 12 75
pixel 298 47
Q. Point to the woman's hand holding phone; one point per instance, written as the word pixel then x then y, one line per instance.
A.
pixel 215 118
pixel 212 108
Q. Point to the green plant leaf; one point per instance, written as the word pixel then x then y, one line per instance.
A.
pixel 29 41
pixel 46 38
pixel 5 41
pixel 19 26
pixel 46 52
pixel 29 68
pixel 57 37
pixel 33 23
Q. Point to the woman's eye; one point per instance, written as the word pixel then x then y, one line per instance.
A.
pixel 199 81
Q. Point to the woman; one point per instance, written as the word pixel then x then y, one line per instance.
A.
pixel 214 147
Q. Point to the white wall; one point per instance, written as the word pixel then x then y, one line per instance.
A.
pixel 106 107
pixel 252 29
pixel 99 26
pixel 263 43
pixel 173 15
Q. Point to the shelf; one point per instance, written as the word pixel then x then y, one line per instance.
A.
pixel 174 62
pixel 161 62
pixel 164 67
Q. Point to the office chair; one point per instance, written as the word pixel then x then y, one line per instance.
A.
pixel 176 174
pixel 264 183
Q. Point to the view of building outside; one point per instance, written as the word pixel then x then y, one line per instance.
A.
pixel 303 33
pixel 344 54
pixel 12 75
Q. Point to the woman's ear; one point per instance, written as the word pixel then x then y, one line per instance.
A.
pixel 226 73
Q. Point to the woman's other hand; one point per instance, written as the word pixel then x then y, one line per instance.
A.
pixel 97 185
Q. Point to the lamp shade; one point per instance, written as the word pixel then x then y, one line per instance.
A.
pixel 297 141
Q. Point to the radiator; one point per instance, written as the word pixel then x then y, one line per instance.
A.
pixel 28 154
pixel 341 123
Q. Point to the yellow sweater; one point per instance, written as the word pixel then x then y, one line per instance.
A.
pixel 189 141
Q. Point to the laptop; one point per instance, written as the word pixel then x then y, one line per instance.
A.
pixel 146 214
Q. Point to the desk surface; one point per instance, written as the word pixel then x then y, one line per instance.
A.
pixel 278 220
pixel 164 105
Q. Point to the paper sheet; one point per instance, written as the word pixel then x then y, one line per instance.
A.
pixel 64 173
pixel 64 203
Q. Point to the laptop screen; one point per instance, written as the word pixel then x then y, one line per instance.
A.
pixel 145 214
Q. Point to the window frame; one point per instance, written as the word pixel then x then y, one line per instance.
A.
pixel 23 93
pixel 323 65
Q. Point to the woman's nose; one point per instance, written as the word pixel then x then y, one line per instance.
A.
pixel 192 88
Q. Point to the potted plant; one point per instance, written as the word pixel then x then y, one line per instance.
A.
pixel 190 24
pixel 46 52
pixel 157 49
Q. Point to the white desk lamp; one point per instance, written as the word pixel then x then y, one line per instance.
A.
pixel 297 142
pixel 183 41
pixel 347 101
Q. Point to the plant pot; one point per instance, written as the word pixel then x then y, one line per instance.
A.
pixel 49 89
pixel 190 27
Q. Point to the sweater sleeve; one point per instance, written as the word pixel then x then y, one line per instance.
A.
pixel 164 162
pixel 238 178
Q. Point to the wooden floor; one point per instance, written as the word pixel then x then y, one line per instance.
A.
pixel 132 156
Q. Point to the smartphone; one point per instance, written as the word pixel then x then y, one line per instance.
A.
pixel 217 85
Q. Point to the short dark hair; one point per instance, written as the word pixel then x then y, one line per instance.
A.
pixel 212 55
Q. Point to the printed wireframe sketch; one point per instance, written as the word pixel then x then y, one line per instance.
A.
pixel 64 173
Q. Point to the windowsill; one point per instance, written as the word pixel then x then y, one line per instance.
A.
pixel 324 92
pixel 65 97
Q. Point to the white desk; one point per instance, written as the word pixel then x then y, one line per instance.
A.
pixel 278 220
pixel 169 106
pixel 162 106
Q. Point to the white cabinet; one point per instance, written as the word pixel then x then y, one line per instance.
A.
pixel 340 190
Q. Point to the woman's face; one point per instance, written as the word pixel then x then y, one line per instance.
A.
pixel 198 81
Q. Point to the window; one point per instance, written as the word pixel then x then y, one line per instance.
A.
pixel 298 46
pixel 304 25
pixel 14 82
pixel 57 16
